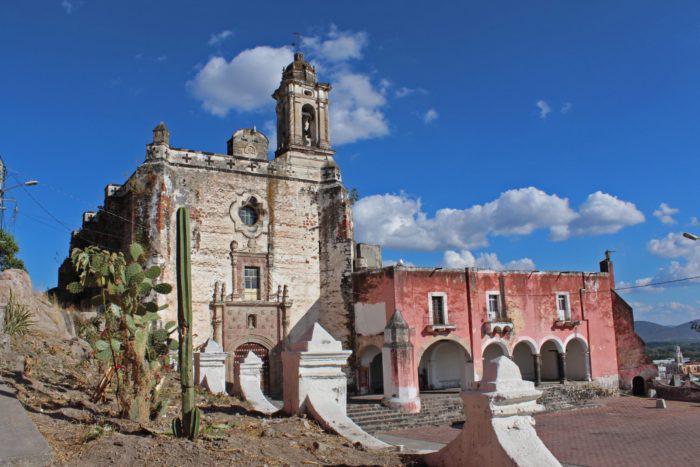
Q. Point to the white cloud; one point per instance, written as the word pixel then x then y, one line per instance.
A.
pixel 404 91
pixel 398 221
pixel 337 46
pixel 665 214
pixel 545 109
pixel 639 285
pixel 465 259
pixel 604 214
pixel 430 116
pixel 68 6
pixel 566 107
pixel 694 221
pixel 356 109
pixel 245 83
pixel 219 37
pixel 685 254
pixel 668 312
pixel 161 58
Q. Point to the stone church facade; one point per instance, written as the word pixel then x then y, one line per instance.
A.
pixel 273 252
pixel 272 238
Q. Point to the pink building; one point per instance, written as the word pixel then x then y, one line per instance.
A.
pixel 556 326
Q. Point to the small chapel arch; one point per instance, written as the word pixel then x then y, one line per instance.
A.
pixel 308 125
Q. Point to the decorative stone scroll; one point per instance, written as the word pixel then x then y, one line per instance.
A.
pixel 314 382
pixel 499 430
pixel 210 367
pixel 314 365
pixel 248 386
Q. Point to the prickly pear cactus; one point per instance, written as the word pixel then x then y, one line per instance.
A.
pixel 188 425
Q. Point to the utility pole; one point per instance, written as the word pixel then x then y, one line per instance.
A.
pixel 3 190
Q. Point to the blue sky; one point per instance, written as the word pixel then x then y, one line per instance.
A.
pixel 499 134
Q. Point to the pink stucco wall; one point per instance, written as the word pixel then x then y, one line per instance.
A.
pixel 530 303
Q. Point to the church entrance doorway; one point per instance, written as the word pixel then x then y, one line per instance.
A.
pixel 261 351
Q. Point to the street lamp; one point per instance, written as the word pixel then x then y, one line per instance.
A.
pixel 3 199
pixel 690 236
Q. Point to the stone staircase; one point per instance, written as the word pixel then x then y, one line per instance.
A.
pixel 441 408
pixel 445 408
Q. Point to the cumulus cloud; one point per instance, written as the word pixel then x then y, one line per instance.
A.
pixel 665 214
pixel 337 46
pixel 604 214
pixel 246 82
pixel 430 116
pixel 243 83
pixel 356 111
pixel 398 221
pixel 685 255
pixel 219 37
pixel 465 259
pixel 544 107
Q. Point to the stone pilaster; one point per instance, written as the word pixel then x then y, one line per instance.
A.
pixel 400 382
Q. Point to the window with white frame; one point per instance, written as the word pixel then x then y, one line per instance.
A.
pixel 495 306
pixel 437 305
pixel 563 306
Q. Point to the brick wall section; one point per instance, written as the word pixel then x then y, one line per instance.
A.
pixel 631 358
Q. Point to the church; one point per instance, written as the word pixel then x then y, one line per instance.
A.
pixel 273 252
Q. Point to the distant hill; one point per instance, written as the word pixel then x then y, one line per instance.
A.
pixel 652 332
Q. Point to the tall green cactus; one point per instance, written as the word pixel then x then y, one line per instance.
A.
pixel 188 425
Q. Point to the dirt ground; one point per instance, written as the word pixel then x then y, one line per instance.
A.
pixel 56 393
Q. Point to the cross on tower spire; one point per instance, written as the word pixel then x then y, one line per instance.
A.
pixel 297 42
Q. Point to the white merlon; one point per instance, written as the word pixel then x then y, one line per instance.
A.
pixel 248 384
pixel 499 430
pixel 210 367
pixel 314 366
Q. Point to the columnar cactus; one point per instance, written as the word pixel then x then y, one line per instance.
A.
pixel 188 425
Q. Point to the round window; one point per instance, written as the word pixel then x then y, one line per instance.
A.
pixel 248 215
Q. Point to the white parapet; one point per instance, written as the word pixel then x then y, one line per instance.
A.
pixel 248 385
pixel 499 430
pixel 314 382
pixel 210 367
pixel 314 365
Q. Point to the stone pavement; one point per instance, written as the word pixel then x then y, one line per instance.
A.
pixel 20 441
pixel 620 431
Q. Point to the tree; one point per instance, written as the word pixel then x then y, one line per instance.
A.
pixel 8 250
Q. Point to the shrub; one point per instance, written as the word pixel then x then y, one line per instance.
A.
pixel 18 319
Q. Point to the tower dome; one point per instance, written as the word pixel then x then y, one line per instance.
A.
pixel 300 70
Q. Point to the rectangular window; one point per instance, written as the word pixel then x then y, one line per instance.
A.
pixel 438 309
pixel 251 283
pixel 494 307
pixel 563 308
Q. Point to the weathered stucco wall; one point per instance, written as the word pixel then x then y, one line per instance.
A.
pixel 530 304
pixel 631 357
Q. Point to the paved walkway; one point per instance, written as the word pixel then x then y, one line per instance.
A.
pixel 20 441
pixel 621 431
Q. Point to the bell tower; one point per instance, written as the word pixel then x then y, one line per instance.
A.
pixel 302 110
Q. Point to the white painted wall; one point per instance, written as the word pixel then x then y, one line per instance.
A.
pixel 370 318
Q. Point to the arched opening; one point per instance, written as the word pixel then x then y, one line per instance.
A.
pixel 549 353
pixel 371 373
pixel 444 365
pixel 308 125
pixel 525 359
pixel 492 351
pixel 576 361
pixel 638 386
pixel 261 351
